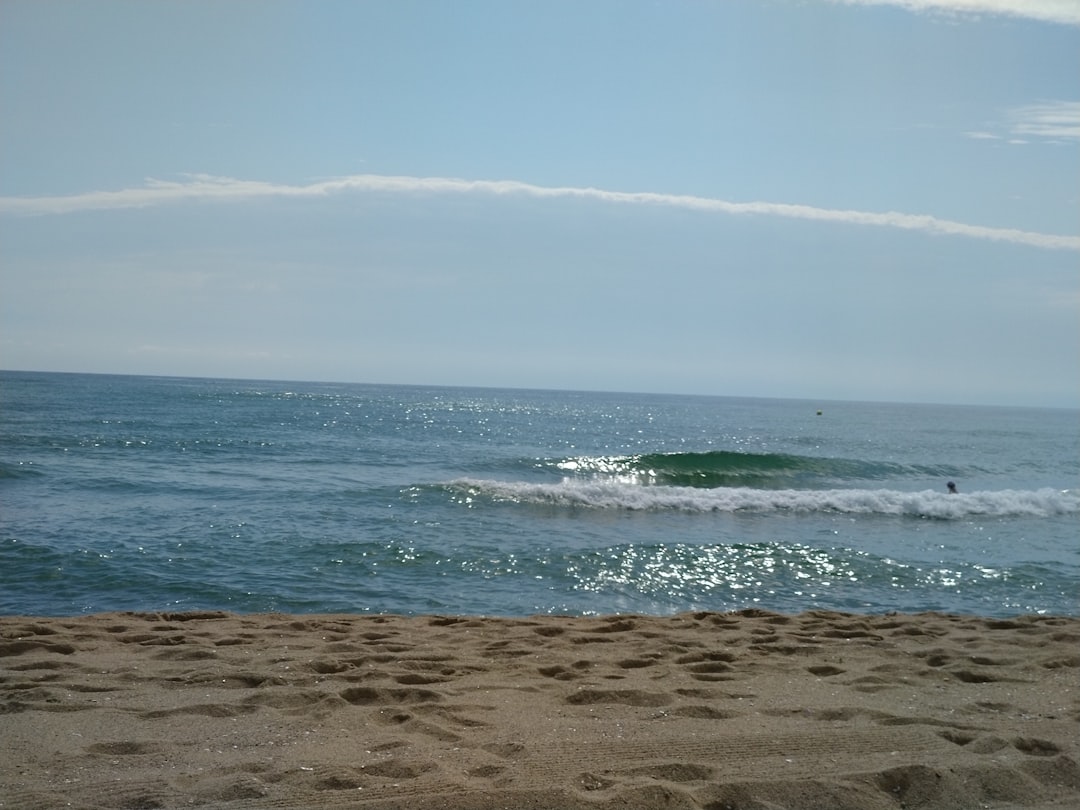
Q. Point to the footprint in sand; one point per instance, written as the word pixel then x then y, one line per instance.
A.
pixel 1036 747
pixel 825 670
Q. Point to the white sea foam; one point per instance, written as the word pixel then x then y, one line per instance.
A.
pixel 926 503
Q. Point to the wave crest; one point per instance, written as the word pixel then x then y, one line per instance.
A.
pixel 726 468
pixel 618 495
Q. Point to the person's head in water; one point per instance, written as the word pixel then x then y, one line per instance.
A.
pixel 952 488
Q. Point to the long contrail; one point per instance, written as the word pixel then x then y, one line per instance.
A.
pixel 206 187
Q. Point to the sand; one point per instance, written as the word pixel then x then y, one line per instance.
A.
pixel 705 710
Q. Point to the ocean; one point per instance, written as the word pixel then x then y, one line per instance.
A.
pixel 170 494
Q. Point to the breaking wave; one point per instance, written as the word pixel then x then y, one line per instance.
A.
pixel 583 494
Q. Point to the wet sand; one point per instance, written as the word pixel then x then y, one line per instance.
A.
pixel 748 710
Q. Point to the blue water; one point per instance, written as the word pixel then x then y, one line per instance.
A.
pixel 143 493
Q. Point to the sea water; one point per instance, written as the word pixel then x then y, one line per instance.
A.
pixel 150 494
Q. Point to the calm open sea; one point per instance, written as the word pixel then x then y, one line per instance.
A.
pixel 145 493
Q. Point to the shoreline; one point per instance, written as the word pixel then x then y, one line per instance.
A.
pixel 748 709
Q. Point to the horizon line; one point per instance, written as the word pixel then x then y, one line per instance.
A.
pixel 822 400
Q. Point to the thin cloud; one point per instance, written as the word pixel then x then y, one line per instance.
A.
pixel 1047 121
pixel 206 187
pixel 1056 120
pixel 1060 12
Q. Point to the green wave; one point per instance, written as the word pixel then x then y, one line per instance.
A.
pixel 726 468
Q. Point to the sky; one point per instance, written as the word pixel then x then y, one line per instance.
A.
pixel 820 199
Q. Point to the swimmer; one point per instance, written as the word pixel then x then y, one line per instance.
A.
pixel 952 488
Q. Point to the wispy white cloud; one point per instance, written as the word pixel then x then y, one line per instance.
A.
pixel 1062 12
pixel 1056 120
pixel 1046 121
pixel 206 187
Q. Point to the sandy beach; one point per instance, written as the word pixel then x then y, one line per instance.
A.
pixel 704 710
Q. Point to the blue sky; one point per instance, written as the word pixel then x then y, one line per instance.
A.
pixel 829 200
